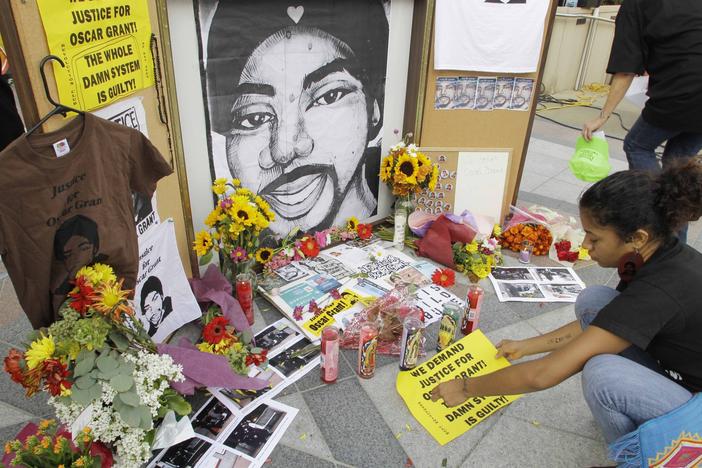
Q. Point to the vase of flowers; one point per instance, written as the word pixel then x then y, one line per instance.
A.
pixel 235 226
pixel 407 171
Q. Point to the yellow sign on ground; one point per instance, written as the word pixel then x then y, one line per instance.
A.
pixel 316 324
pixel 105 45
pixel 471 356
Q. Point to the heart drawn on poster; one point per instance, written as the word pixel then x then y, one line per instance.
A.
pixel 295 13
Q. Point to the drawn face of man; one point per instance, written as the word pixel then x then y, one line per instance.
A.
pixel 77 252
pixel 299 127
pixel 153 308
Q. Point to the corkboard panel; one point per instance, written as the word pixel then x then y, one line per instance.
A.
pixel 30 33
pixel 475 129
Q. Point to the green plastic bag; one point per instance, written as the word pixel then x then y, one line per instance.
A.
pixel 590 162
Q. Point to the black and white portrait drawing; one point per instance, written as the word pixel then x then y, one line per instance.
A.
pixel 185 454
pixel 520 290
pixel 295 97
pixel 276 336
pixel 562 291
pixel 255 430
pixel 155 305
pixel 213 419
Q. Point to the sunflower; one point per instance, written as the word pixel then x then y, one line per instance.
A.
pixel 111 298
pixel 235 229
pixel 242 212
pixel 260 221
pixel 202 243
pixel 425 167
pixel 244 192
pixel 213 217
pixel 263 255
pixel 39 351
pixel 352 223
pixel 406 170
pixel 434 178
pixel 386 168
pixel 265 208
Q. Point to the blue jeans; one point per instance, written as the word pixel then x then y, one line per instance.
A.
pixel 623 391
pixel 642 140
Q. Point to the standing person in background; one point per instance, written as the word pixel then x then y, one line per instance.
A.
pixel 11 125
pixel 664 39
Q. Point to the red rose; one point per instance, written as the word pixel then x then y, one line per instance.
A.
pixel 309 246
pixel 216 330
pixel 562 246
pixel 365 231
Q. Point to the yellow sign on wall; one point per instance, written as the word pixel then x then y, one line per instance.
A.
pixel 471 356
pixel 105 45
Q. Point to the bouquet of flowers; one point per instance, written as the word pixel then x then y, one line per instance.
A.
pixel 478 257
pixel 235 226
pixel 98 363
pixel 407 171
pixel 538 234
pixel 294 249
pixel 219 337
pixel 50 446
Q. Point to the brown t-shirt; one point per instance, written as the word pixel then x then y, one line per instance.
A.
pixel 58 214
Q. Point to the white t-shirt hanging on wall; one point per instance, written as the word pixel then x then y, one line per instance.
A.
pixel 489 35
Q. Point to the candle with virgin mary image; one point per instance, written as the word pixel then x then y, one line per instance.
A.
pixel 295 97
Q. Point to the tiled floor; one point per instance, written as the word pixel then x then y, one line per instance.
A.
pixel 365 423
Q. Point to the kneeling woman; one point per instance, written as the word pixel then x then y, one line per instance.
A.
pixel 639 346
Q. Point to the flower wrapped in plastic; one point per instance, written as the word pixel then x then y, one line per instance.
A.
pixel 525 226
pixel 389 312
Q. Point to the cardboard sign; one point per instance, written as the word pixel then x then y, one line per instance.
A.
pixel 105 45
pixel 471 356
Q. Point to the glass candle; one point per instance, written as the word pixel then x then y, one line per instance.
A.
pixel 244 294
pixel 525 253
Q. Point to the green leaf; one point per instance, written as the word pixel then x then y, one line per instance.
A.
pixel 107 363
pixel 256 350
pixel 106 375
pixel 146 421
pixel 246 336
pixel 120 341
pixel 162 411
pixel 95 392
pixel 85 382
pixel 207 258
pixel 179 405
pixel 84 363
pixel 121 383
pixel 129 398
pixel 126 368
pixel 130 415
pixel 80 397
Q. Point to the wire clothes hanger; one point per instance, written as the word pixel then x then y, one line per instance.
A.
pixel 58 107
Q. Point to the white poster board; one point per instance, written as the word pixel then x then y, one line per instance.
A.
pixel 480 182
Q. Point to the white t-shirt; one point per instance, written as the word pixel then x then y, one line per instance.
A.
pixel 489 35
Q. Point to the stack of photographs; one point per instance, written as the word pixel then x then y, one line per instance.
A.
pixel 536 284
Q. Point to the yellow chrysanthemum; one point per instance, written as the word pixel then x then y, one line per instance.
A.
pixel 481 270
pixel 434 178
pixel 110 296
pixel 39 351
pixel 352 223
pixel 206 347
pixel 104 272
pixel 386 168
pixel 202 243
pixel 497 231
pixel 472 247
pixel 406 170
pixel 263 255
pixel 90 275
pixel 236 182
pixel 213 217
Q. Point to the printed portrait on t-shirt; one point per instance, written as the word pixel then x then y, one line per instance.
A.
pixel 76 244
pixel 295 96
pixel 155 305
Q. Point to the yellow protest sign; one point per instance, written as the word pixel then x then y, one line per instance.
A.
pixel 316 324
pixel 471 356
pixel 105 45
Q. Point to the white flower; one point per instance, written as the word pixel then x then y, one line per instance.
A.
pixel 412 148
pixel 398 146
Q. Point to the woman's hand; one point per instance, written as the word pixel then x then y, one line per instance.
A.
pixel 453 392
pixel 512 349
pixel 593 125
